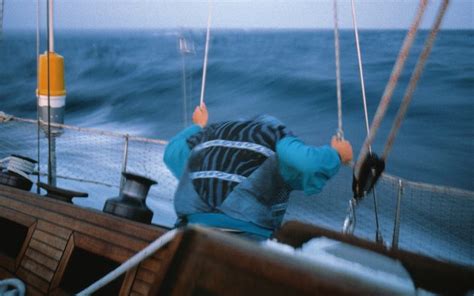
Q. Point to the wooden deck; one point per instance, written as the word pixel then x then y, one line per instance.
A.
pixel 55 230
pixel 58 249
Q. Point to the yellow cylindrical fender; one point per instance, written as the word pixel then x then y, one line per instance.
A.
pixel 56 74
pixel 52 98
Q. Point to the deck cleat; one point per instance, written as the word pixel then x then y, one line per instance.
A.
pixel 61 193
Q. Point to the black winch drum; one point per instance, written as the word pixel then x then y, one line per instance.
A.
pixel 131 202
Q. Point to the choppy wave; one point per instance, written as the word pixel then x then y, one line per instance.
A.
pixel 132 81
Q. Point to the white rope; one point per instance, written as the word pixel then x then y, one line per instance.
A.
pixel 340 133
pixel 132 262
pixel 206 51
pixel 361 71
pixel 18 165
pixel 12 287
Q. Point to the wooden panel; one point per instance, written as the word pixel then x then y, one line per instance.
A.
pixel 38 269
pixel 5 274
pixel 151 264
pixel 25 220
pixel 7 262
pixel 104 248
pixel 145 275
pixel 58 292
pixel 131 228
pixel 41 258
pixel 50 239
pixel 26 242
pixel 63 263
pixel 141 287
pixel 128 282
pixel 54 229
pixel 167 254
pixel 45 249
pixel 84 227
pixel 33 280
pixel 16 216
pixel 31 291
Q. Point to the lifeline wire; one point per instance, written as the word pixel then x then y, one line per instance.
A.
pixel 340 133
pixel 414 79
pixel 392 82
pixel 206 51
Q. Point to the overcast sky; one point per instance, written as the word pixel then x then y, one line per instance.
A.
pixel 107 14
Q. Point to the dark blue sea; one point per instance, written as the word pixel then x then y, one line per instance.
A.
pixel 132 81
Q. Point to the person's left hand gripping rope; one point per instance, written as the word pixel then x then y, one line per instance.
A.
pixel 200 115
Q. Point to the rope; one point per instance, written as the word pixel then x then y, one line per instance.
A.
pixel 131 262
pixel 340 133
pixel 12 287
pixel 206 52
pixel 392 82
pixel 361 71
pixel 18 165
pixel 414 79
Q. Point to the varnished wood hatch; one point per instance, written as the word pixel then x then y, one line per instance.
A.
pixel 58 248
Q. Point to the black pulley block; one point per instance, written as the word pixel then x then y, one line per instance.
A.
pixel 369 173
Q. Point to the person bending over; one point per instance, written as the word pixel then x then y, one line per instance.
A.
pixel 238 174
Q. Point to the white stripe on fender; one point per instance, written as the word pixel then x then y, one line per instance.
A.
pixel 55 101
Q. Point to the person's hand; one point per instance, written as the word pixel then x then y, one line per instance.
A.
pixel 344 149
pixel 200 115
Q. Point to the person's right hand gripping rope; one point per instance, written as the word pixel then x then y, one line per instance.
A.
pixel 343 148
pixel 200 115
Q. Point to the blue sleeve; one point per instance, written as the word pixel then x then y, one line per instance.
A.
pixel 306 167
pixel 177 151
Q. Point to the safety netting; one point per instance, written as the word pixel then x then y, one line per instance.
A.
pixel 434 220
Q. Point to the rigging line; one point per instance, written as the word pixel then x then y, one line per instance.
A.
pixel 206 51
pixel 50 176
pixel 361 70
pixel 364 98
pixel 414 79
pixel 390 87
pixel 185 97
pixel 38 129
pixel 340 133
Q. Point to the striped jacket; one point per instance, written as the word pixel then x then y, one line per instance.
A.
pixel 245 169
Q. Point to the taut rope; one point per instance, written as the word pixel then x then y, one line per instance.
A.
pixel 392 82
pixel 206 52
pixel 414 79
pixel 340 132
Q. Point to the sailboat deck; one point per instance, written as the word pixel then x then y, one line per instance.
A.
pixel 55 230
pixel 59 249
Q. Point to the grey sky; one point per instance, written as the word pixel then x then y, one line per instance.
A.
pixel 106 14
